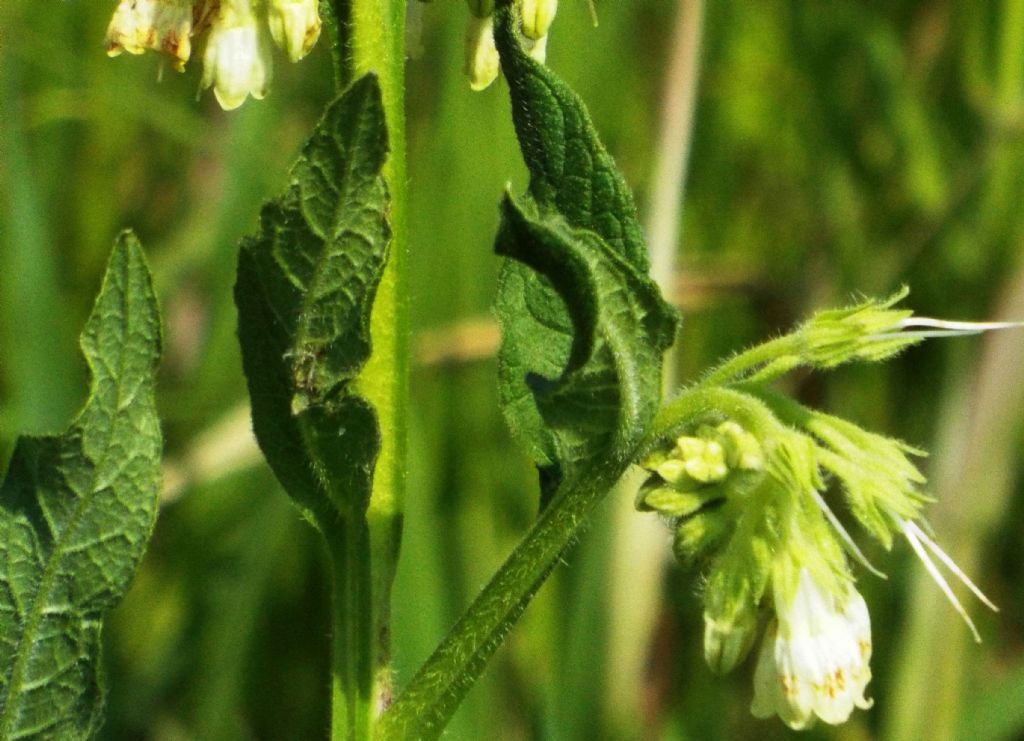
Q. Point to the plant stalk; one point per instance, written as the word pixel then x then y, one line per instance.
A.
pixel 371 38
pixel 423 709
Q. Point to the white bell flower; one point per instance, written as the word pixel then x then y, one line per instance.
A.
pixel 814 661
pixel 237 61
pixel 295 26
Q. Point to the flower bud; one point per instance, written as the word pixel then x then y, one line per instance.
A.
pixel 294 25
pixel 537 16
pixel 673 470
pixel 709 466
pixel 481 8
pixel 161 25
pixel 698 535
pixel 482 61
pixel 671 502
pixel 237 60
pixel 728 641
pixel 742 450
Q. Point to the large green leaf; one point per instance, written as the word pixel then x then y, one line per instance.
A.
pixel 305 291
pixel 76 511
pixel 306 284
pixel 583 326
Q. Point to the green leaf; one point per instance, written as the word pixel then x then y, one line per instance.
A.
pixel 76 511
pixel 583 326
pixel 306 287
pixel 570 170
pixel 306 284
pixel 601 389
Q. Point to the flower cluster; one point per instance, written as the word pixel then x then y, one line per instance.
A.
pixel 234 36
pixel 482 64
pixel 741 473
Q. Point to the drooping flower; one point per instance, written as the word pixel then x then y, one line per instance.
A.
pixel 814 661
pixel 161 25
pixel 537 16
pixel 237 61
pixel 234 36
pixel 482 62
pixel 294 25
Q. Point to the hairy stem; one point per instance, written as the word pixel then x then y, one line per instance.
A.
pixel 423 709
pixel 740 366
pixel 371 37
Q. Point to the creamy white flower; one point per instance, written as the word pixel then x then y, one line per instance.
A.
pixel 237 61
pixel 537 48
pixel 482 61
pixel 160 25
pixel 814 661
pixel 295 25
pixel 537 16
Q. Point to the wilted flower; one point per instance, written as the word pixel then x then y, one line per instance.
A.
pixel 295 26
pixel 237 60
pixel 814 659
pixel 234 35
pixel 160 25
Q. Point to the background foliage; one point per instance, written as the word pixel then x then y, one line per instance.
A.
pixel 838 147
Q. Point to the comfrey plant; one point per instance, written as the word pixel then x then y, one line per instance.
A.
pixel 742 474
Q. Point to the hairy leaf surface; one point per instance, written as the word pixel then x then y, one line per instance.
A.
pixel 583 326
pixel 306 284
pixel 76 511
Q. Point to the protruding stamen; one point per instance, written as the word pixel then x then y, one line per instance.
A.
pixel 912 533
pixel 942 328
pixel 951 565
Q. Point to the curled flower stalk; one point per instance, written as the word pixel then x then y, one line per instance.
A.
pixel 743 475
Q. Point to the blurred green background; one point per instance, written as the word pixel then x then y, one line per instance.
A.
pixel 838 147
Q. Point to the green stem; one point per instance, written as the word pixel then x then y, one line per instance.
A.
pixel 425 706
pixel 371 38
pixel 352 649
pixel 743 364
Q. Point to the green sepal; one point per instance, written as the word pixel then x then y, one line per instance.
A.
pixel 306 285
pixel 76 513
